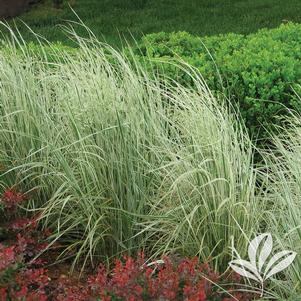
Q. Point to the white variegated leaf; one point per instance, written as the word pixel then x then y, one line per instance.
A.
pixel 284 259
pixel 246 269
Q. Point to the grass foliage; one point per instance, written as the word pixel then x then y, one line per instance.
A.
pixel 121 162
pixel 283 196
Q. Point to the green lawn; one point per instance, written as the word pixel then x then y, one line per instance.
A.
pixel 112 18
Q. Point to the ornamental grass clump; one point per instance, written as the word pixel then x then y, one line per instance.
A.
pixel 120 161
pixel 283 196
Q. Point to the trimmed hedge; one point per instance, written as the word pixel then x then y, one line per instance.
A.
pixel 259 72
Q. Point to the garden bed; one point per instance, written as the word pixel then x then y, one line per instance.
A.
pixel 101 160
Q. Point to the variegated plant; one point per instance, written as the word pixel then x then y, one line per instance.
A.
pixel 260 267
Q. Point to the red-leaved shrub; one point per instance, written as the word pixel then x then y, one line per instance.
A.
pixel 11 199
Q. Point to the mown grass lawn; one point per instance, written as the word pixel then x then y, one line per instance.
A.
pixel 114 18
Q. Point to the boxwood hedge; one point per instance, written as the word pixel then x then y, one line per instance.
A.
pixel 259 72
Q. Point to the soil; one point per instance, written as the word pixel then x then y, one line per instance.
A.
pixel 12 8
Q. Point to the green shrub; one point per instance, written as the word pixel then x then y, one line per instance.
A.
pixel 257 71
pixel 49 52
